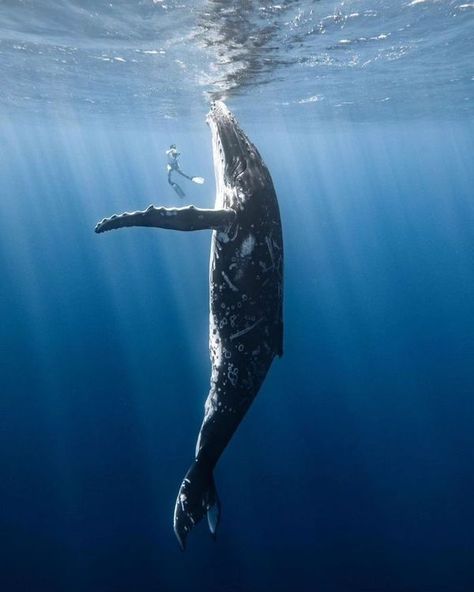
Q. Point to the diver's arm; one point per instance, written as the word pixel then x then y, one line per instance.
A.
pixel 188 218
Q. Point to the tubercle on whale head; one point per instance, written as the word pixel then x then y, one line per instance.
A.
pixel 239 168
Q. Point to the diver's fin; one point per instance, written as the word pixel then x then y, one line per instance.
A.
pixel 197 497
pixel 188 218
pixel 178 189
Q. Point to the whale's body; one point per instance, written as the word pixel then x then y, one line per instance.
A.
pixel 246 291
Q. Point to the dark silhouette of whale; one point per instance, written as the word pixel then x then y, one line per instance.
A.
pixel 246 294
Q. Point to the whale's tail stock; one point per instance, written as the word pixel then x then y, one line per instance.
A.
pixel 197 497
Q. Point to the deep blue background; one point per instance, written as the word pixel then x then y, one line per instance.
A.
pixel 353 470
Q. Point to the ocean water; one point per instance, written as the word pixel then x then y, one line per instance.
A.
pixel 353 470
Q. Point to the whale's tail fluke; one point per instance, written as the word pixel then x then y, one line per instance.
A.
pixel 197 497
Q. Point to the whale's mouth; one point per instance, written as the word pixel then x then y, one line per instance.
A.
pixel 231 150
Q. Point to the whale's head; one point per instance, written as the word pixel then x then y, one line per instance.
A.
pixel 239 169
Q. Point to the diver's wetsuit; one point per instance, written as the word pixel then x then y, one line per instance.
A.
pixel 173 165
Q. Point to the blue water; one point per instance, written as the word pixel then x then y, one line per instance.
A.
pixel 353 470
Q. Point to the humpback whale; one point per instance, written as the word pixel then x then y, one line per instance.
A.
pixel 246 294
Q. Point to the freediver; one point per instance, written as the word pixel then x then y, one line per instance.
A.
pixel 173 165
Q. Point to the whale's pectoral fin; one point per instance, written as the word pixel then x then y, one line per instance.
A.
pixel 197 497
pixel 188 218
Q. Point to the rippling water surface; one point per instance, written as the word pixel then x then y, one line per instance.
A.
pixel 352 59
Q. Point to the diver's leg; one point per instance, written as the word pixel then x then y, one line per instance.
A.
pixel 174 185
pixel 188 218
pixel 179 171
pixel 178 189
